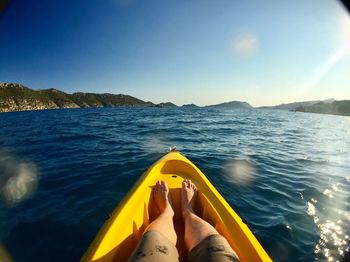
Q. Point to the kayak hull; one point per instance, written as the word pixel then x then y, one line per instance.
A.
pixel 121 232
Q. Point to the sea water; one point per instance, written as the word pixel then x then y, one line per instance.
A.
pixel 286 173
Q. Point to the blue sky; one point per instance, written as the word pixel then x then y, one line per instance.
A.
pixel 200 51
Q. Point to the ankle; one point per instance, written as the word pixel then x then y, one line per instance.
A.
pixel 187 213
pixel 168 211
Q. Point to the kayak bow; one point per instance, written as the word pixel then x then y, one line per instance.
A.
pixel 121 232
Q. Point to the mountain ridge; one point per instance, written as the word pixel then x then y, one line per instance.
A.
pixel 231 104
pixel 17 97
pixel 295 105
pixel 337 107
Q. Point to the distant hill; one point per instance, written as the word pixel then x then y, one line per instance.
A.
pixel 16 97
pixel 232 104
pixel 335 108
pixel 107 100
pixel 59 98
pixel 167 104
pixel 190 106
pixel 295 105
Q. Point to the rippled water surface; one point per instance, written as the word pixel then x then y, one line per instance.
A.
pixel 286 173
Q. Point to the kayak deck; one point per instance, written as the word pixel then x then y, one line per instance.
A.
pixel 122 231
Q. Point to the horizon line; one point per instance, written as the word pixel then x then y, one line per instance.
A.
pixel 179 104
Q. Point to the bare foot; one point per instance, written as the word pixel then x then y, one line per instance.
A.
pixel 188 196
pixel 162 197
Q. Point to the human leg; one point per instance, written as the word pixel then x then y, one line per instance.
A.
pixel 159 239
pixel 164 222
pixel 202 240
pixel 196 229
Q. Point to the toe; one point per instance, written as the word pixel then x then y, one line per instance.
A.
pixel 194 188
pixel 157 187
pixel 192 184
pixel 164 185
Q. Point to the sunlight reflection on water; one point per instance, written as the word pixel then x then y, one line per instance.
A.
pixel 333 239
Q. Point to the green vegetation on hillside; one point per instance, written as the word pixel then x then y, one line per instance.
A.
pixel 15 97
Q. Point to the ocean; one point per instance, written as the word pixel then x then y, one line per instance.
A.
pixel 286 173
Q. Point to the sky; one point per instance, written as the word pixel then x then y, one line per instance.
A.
pixel 200 51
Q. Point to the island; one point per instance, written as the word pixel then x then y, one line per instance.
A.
pixel 16 97
pixel 167 104
pixel 341 107
pixel 232 104
pixel 327 106
pixel 293 106
pixel 190 106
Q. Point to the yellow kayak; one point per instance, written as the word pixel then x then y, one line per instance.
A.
pixel 121 232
